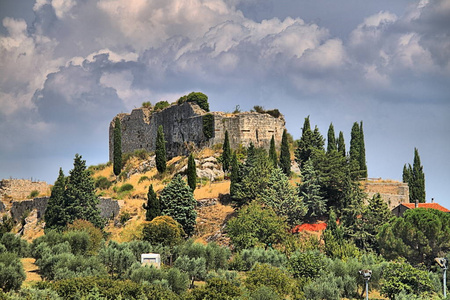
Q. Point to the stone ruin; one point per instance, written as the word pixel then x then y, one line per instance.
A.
pixel 184 130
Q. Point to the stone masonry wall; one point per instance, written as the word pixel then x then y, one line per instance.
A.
pixel 393 193
pixel 18 189
pixel 183 127
pixel 108 208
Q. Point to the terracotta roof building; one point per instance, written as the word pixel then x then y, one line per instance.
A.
pixel 401 208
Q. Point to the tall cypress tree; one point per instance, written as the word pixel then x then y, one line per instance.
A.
pixel 55 217
pixel 117 155
pixel 341 144
pixel 362 152
pixel 153 206
pixel 192 173
pixel 79 196
pixel 331 140
pixel 161 159
pixel 318 140
pixel 415 178
pixel 285 155
pixel 355 141
pixel 303 152
pixel 273 152
pixel 226 154
pixel 235 177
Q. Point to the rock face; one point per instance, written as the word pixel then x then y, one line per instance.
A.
pixel 184 129
pixel 17 189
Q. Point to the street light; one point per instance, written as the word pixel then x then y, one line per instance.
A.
pixel 442 262
pixel 366 274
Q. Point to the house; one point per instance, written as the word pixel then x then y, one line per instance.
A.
pixel 400 209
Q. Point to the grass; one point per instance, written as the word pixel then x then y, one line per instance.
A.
pixel 30 270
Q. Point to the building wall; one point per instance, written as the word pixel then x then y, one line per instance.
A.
pixel 392 192
pixel 183 129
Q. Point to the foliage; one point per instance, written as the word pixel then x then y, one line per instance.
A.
pixel 331 140
pixel 14 244
pixel 217 289
pixel 208 126
pixel 199 98
pixel 401 276
pixel 192 173
pixel 362 154
pixel 226 153
pixel 274 112
pixel 285 155
pixel 236 175
pixel 195 267
pixel 335 243
pixel 161 105
pixel 282 197
pixel 55 214
pixel 415 178
pixel 6 224
pixel 82 288
pixel 117 151
pixel 355 145
pixel 419 236
pixel 273 153
pixel 177 201
pixel 256 226
pixel 307 264
pixel 269 276
pixel 303 151
pixel 163 230
pixel 247 258
pixel 341 144
pixel 33 194
pixel 153 205
pixel 160 151
pixel 255 175
pixel 94 233
pixel 146 104
pixel 309 191
pixel 117 258
pixel 102 183
pixel 125 187
pixel 11 272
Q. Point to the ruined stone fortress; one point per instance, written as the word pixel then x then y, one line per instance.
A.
pixel 184 128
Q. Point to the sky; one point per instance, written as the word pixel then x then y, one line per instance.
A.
pixel 68 67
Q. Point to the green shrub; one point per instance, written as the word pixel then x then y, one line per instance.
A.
pixel 146 104
pixel 259 109
pixel 33 194
pixel 102 183
pixel 161 105
pixel 247 258
pixel 126 187
pixel 274 113
pixel 163 230
pixel 143 178
pixel 11 272
pixel 124 217
pixel 306 264
pixel 217 289
pixel 208 126
pixel 270 276
pixel 15 244
pixel 199 98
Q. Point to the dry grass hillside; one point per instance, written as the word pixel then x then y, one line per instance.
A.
pixel 140 173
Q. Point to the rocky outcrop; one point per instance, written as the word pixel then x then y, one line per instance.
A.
pixel 18 189
pixel 184 129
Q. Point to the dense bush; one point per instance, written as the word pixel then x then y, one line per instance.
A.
pixel 306 264
pixel 126 187
pixel 163 230
pixel 161 105
pixel 208 126
pixel 199 98
pixel 217 289
pixel 272 277
pixel 117 258
pixel 102 183
pixel 15 244
pixel 11 272
pixel 247 258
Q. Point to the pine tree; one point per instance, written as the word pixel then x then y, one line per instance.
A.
pixel 362 153
pixel 331 141
pixel 55 217
pixel 303 152
pixel 407 170
pixel 153 206
pixel 192 173
pixel 309 191
pixel 226 154
pixel 177 201
pixel 318 140
pixel 160 151
pixel 117 155
pixel 285 155
pixel 273 152
pixel 79 197
pixel 376 215
pixel 341 144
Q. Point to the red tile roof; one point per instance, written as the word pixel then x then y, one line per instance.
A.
pixel 426 205
pixel 309 227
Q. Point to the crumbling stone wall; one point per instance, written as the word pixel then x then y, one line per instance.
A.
pixel 109 208
pixel 392 192
pixel 18 189
pixel 183 128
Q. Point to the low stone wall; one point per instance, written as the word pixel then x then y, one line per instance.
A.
pixel 109 208
pixel 19 189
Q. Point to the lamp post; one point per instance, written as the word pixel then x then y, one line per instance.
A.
pixel 366 274
pixel 442 262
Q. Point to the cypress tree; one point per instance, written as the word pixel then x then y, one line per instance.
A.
pixel 55 217
pixel 362 152
pixel 341 144
pixel 117 155
pixel 309 191
pixel 285 155
pixel 191 173
pixel 418 186
pixel 160 151
pixel 226 154
pixel 153 206
pixel 331 140
pixel 355 147
pixel 273 152
pixel 318 142
pixel 406 173
pixel 303 151
pixel 235 177
pixel 79 196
